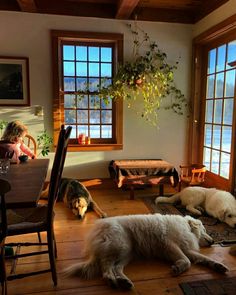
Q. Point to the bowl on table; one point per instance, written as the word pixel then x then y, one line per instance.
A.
pixel 23 158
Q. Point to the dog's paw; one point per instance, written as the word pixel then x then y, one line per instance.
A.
pixel 175 270
pixel 103 215
pixel 124 283
pixel 159 199
pixel 219 267
pixel 199 208
pixel 112 283
pixel 180 266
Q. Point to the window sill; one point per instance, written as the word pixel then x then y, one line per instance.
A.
pixel 94 147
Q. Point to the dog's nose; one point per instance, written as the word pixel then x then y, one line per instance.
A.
pixel 211 242
pixel 80 216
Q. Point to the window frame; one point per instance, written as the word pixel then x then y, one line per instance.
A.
pixel 60 37
pixel 212 38
pixel 214 45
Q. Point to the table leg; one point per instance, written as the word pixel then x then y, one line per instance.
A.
pixel 131 195
pixel 161 190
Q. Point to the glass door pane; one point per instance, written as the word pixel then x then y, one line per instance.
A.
pixel 219 105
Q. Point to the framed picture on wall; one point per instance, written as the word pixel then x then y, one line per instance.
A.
pixel 14 81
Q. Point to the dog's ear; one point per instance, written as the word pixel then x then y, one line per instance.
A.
pixel 194 223
pixel 222 214
pixel 74 204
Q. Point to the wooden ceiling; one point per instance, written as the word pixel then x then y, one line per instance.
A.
pixel 175 11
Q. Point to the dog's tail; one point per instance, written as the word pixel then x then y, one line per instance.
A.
pixel 86 269
pixel 171 200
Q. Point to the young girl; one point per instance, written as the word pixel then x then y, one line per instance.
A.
pixel 12 141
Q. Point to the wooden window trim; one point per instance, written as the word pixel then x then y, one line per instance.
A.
pixel 226 27
pixel 58 112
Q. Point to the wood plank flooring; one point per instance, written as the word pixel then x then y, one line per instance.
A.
pixel 149 277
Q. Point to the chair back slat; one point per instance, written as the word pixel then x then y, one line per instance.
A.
pixel 30 142
pixel 57 169
pixel 192 175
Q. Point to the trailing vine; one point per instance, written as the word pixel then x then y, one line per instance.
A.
pixel 147 78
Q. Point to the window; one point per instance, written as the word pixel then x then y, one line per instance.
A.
pixel 212 131
pixel 219 105
pixel 82 63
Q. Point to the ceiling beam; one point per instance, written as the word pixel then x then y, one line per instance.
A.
pixel 125 8
pixel 163 15
pixel 27 5
pixel 207 7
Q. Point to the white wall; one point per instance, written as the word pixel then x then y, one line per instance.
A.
pixel 25 34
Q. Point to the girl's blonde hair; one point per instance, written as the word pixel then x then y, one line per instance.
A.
pixel 14 131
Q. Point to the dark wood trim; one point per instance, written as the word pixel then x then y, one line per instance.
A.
pixel 27 5
pixel 125 8
pixel 207 7
pixel 216 31
pixel 173 11
pixel 94 147
pixel 163 15
pixel 232 64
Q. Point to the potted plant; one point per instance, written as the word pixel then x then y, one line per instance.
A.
pixel 146 77
pixel 3 125
pixel 44 142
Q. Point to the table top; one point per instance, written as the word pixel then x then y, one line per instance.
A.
pixel 27 181
pixel 145 163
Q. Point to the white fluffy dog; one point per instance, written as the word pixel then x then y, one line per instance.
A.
pixel 114 241
pixel 217 203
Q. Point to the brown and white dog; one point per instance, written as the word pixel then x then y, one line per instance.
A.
pixel 76 196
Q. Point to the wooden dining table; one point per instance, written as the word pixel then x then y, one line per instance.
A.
pixel 27 181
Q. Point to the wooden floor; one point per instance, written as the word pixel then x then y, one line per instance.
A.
pixel 149 277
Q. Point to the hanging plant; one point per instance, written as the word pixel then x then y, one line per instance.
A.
pixel 147 78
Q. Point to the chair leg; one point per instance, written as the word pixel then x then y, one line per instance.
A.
pixel 161 190
pixel 4 287
pixel 39 237
pixel 131 195
pixel 15 261
pixel 55 245
pixel 52 257
pixel 3 276
pixel 179 186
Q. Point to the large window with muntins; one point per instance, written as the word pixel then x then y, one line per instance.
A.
pixel 86 68
pixel 84 63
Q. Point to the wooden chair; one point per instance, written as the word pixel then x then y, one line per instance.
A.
pixel 41 218
pixel 192 175
pixel 4 188
pixel 31 143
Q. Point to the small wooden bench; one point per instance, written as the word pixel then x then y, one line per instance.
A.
pixel 134 173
